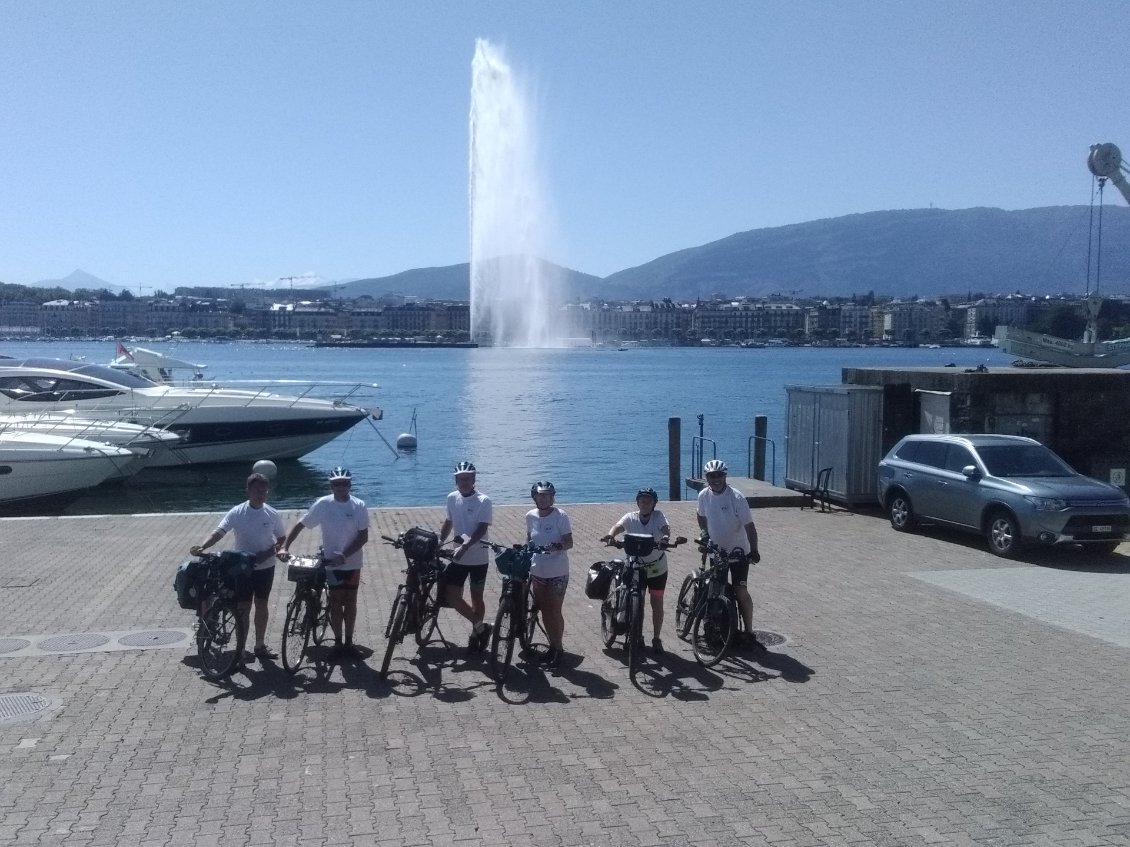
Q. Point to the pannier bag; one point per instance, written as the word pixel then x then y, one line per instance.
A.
pixel 186 584
pixel 420 544
pixel 235 570
pixel 599 580
pixel 638 544
pixel 304 569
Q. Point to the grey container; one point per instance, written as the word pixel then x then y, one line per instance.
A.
pixel 837 427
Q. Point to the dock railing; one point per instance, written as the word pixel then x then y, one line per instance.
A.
pixel 762 440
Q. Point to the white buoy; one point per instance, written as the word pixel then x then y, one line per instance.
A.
pixel 406 441
pixel 265 467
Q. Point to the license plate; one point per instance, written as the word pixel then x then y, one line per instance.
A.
pixel 1103 528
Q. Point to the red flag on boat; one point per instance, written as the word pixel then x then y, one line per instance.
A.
pixel 122 351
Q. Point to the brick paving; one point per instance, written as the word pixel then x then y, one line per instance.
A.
pixel 908 706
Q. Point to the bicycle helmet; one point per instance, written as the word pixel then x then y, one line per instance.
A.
pixel 542 488
pixel 340 473
pixel 714 466
pixel 647 492
pixel 464 467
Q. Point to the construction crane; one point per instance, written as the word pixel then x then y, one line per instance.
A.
pixel 1105 162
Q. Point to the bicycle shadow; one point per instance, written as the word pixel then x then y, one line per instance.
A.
pixel 667 676
pixel 431 662
pixel 739 665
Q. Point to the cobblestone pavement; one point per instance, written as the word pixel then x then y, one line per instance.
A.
pixel 907 705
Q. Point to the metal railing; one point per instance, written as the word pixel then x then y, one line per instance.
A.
pixel 698 455
pixel 749 455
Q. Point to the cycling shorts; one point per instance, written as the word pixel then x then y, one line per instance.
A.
pixel 656 584
pixel 261 582
pixel 739 572
pixel 341 580
pixel 456 574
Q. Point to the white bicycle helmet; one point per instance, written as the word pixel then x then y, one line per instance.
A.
pixel 714 466
pixel 464 467
pixel 340 473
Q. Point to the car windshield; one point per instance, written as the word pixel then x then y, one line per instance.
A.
pixel 1023 460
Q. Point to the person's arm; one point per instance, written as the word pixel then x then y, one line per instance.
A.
pixel 612 533
pixel 566 542
pixel 445 529
pixel 290 536
pixel 751 534
pixel 216 535
pixel 471 540
pixel 359 541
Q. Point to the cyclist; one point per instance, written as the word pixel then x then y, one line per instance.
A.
pixel 548 526
pixel 344 520
pixel 259 531
pixel 724 516
pixel 469 515
pixel 648 520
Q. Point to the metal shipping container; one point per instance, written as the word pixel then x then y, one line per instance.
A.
pixel 837 427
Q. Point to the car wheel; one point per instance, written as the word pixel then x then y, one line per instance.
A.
pixel 1003 534
pixel 900 512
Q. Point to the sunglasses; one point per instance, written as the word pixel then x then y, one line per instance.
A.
pixel 715 475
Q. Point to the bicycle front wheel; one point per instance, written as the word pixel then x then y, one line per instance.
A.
pixel 394 630
pixel 684 607
pixel 635 634
pixel 533 620
pixel 712 631
pixel 322 621
pixel 217 640
pixel 429 613
pixel 608 622
pixel 296 632
pixel 502 640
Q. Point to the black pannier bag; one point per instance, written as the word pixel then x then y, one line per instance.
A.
pixel 235 570
pixel 420 545
pixel 599 581
pixel 186 584
pixel 638 544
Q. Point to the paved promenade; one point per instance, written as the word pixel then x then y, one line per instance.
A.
pixel 922 693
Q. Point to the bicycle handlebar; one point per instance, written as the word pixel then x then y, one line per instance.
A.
pixel 662 545
pixel 527 547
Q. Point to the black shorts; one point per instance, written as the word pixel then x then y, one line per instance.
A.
pixel 657 583
pixel 341 580
pixel 739 572
pixel 261 582
pixel 456 574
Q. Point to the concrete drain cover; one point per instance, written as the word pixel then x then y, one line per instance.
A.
pixel 152 638
pixel 11 645
pixel 769 639
pixel 14 706
pixel 68 643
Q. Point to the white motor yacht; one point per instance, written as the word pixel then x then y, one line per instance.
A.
pixel 37 468
pixel 216 424
pixel 147 443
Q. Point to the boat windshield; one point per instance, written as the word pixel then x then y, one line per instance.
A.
pixel 123 379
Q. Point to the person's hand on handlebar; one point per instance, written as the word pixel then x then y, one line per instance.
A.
pixel 754 556
pixel 608 539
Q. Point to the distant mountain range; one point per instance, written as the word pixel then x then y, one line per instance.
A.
pixel 924 252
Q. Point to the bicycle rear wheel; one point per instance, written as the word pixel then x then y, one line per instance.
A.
pixel 502 640
pixel 635 634
pixel 296 631
pixel 322 621
pixel 394 631
pixel 429 614
pixel 608 622
pixel 684 607
pixel 217 640
pixel 712 632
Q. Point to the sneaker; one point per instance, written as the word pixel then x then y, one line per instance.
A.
pixel 264 652
pixel 553 659
pixel 657 646
pixel 246 657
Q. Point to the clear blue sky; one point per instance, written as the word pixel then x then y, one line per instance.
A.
pixel 206 143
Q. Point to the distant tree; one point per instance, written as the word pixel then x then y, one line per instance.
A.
pixel 986 326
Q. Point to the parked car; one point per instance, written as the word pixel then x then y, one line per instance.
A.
pixel 1013 490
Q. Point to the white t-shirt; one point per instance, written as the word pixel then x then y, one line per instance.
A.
pixel 656 523
pixel 544 531
pixel 726 516
pixel 465 514
pixel 340 521
pixel 255 530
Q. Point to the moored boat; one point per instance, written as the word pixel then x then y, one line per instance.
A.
pixel 36 468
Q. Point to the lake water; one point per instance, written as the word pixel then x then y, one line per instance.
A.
pixel 592 421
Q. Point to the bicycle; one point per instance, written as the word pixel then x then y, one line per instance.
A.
pixel 707 608
pixel 418 599
pixel 220 579
pixel 308 612
pixel 517 618
pixel 621 612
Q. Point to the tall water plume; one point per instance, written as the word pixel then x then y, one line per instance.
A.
pixel 513 289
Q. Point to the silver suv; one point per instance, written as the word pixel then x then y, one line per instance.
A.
pixel 1013 490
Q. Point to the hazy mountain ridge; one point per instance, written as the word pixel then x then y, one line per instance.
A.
pixel 922 252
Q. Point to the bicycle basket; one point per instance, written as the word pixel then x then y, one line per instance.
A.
pixel 514 564
pixel 599 581
pixel 304 569
pixel 638 544
pixel 420 544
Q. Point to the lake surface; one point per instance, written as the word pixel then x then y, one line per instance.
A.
pixel 592 421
